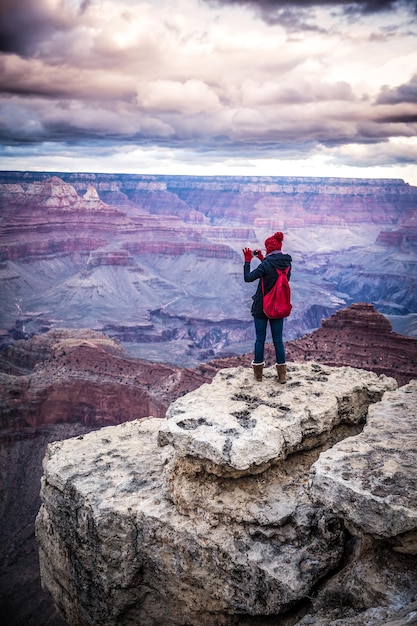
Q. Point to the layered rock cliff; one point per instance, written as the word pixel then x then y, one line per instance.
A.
pixel 156 261
pixel 69 376
pixel 292 200
pixel 361 337
pixel 249 503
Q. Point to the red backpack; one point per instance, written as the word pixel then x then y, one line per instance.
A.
pixel 277 302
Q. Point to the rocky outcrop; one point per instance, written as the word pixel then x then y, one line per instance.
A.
pixel 55 386
pixel 69 376
pixel 225 513
pixel 102 378
pixel 84 376
pixel 361 337
pixel 371 480
pixel 247 433
pixel 81 370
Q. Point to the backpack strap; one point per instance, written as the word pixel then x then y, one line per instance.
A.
pixel 285 271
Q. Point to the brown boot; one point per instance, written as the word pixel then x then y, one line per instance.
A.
pixel 257 370
pixel 282 373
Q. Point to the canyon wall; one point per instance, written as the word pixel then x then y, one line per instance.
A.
pixel 361 337
pixel 156 261
pixel 68 376
pixel 83 376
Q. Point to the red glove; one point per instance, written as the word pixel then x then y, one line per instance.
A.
pixel 259 255
pixel 248 254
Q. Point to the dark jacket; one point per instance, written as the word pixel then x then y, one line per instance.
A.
pixel 268 270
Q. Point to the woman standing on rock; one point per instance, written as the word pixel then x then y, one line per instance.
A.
pixel 267 270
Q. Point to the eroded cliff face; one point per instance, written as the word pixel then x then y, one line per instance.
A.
pixel 246 504
pixel 156 261
pixel 361 337
pixel 82 376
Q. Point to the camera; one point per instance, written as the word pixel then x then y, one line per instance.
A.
pixel 255 252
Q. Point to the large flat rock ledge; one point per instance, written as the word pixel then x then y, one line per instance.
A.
pixel 153 523
pixel 237 427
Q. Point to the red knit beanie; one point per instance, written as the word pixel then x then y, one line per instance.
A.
pixel 274 242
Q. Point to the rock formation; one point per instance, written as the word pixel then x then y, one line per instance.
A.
pixel 84 375
pixel 404 236
pixel 54 386
pixel 292 200
pixel 361 337
pixel 248 503
pixel 68 376
pixel 371 480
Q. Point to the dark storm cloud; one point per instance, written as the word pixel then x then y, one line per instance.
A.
pixel 402 93
pixel 296 15
pixel 404 118
pixel 25 23
pixel 362 6
pixel 214 82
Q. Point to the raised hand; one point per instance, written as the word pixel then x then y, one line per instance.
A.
pixel 248 254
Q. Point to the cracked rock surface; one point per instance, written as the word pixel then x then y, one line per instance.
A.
pixel 163 522
pixel 371 479
pixel 238 427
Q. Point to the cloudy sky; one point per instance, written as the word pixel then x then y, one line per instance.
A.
pixel 234 87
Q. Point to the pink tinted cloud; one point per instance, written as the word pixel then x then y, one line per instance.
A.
pixel 202 79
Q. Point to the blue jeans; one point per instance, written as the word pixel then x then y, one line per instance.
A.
pixel 276 331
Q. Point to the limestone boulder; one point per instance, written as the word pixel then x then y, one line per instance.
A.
pixel 114 548
pixel 370 480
